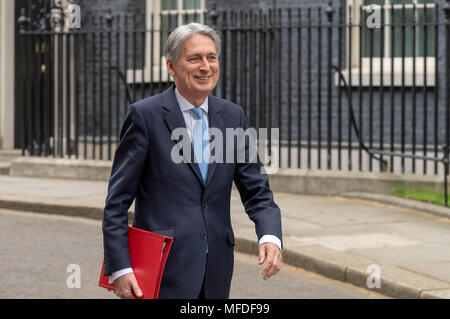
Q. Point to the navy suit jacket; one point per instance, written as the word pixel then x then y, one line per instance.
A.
pixel 172 199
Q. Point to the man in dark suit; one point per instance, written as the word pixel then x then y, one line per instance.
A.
pixel 188 200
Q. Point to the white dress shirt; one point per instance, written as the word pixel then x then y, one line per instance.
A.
pixel 189 120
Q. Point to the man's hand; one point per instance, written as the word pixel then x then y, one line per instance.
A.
pixel 271 255
pixel 127 287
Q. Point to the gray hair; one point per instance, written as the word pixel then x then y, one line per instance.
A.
pixel 183 32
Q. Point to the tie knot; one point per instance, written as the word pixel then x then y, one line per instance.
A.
pixel 197 113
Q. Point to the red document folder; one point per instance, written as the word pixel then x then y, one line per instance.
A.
pixel 148 254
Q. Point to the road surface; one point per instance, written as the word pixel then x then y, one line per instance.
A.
pixel 39 252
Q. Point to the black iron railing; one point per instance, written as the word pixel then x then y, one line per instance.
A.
pixel 344 95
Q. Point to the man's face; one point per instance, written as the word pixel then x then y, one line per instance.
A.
pixel 197 70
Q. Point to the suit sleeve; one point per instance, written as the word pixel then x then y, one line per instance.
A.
pixel 126 171
pixel 253 186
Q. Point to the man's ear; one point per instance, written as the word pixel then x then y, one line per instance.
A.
pixel 170 67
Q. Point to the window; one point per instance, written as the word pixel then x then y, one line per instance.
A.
pixel 394 11
pixel 406 36
pixel 177 12
pixel 166 16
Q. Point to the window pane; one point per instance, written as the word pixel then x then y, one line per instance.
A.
pixel 425 33
pixel 403 32
pixel 368 2
pixel 192 4
pixel 188 18
pixel 402 1
pixel 169 4
pixel 371 35
pixel 425 1
pixel 168 23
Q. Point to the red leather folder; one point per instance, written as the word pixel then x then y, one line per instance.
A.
pixel 148 254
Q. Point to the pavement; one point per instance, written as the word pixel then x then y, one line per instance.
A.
pixel 385 246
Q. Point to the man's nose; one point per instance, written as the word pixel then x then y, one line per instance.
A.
pixel 204 65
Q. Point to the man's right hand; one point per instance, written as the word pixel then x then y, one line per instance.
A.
pixel 127 287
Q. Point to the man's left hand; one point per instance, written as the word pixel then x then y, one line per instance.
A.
pixel 270 254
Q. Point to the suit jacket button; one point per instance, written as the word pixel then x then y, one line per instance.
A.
pixel 203 236
pixel 205 206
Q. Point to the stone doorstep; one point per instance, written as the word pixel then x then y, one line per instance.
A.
pixel 4 168
pixel 282 175
pixel 61 168
pixel 10 152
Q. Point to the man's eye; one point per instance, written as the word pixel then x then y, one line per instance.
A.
pixel 194 59
pixel 212 58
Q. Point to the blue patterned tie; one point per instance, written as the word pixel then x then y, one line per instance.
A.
pixel 201 142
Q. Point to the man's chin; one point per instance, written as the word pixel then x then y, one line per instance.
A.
pixel 204 89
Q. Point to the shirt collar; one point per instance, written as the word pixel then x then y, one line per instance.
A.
pixel 185 105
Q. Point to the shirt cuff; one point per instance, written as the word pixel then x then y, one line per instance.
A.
pixel 270 239
pixel 119 273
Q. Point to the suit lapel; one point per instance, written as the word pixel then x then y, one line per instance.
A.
pixel 174 119
pixel 215 120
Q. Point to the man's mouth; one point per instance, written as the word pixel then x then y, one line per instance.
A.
pixel 203 78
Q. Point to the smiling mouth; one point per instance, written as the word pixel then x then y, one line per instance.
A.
pixel 203 78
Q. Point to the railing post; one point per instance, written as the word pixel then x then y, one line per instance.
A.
pixel 446 162
pixel 22 20
pixel 109 20
pixel 22 23
pixel 446 9
pixel 213 15
pixel 330 13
